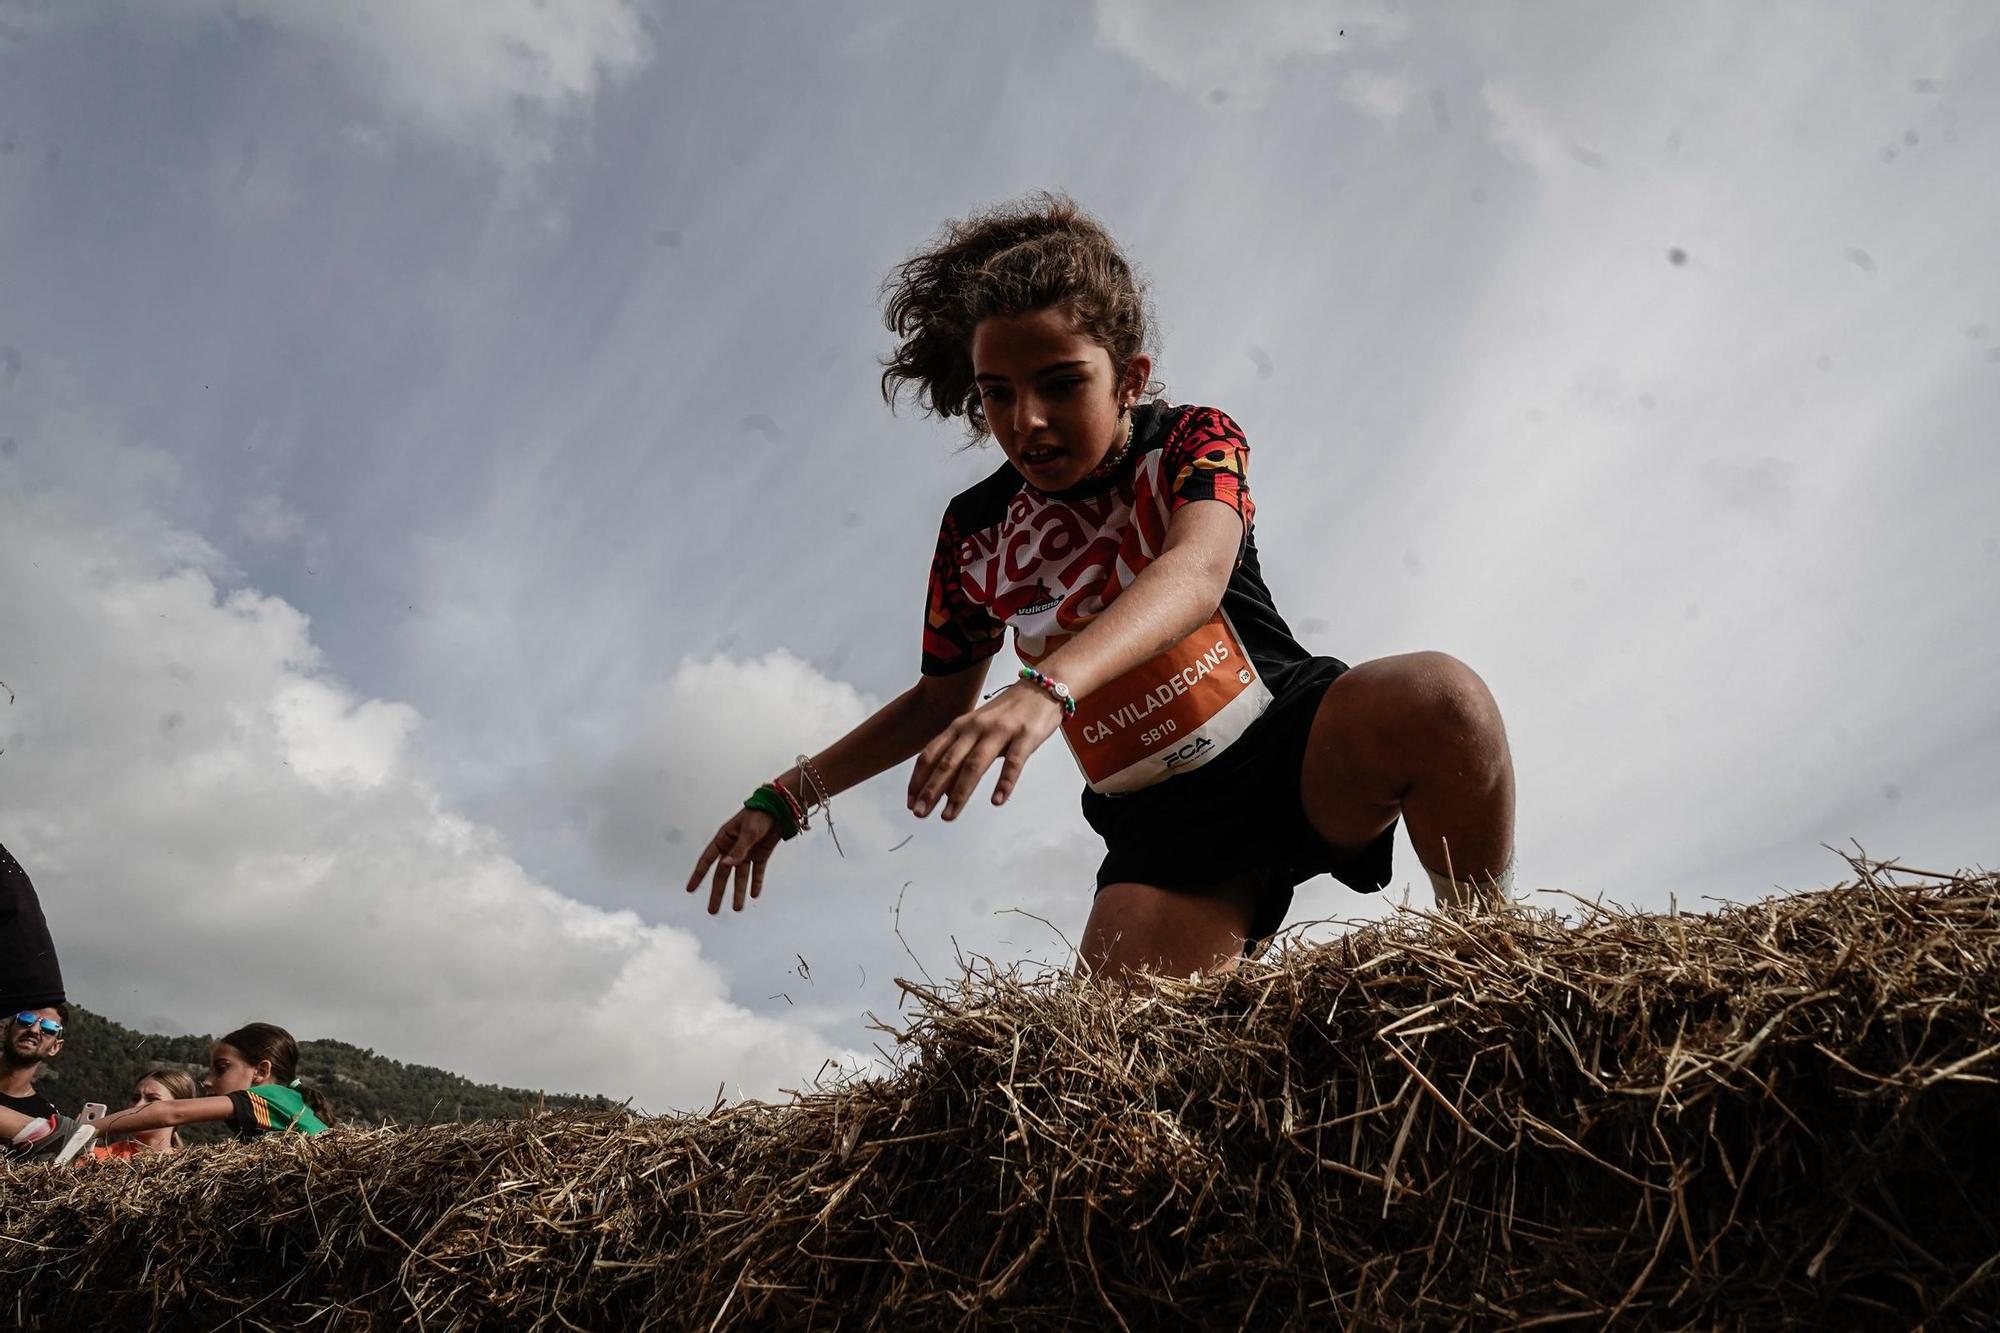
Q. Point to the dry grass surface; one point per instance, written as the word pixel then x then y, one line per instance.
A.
pixel 1770 1115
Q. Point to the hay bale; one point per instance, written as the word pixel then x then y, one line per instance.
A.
pixel 1774 1114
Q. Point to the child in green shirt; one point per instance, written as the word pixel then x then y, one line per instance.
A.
pixel 252 1087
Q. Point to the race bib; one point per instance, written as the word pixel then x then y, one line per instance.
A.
pixel 1169 715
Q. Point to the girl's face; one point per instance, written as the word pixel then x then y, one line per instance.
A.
pixel 229 1071
pixel 1052 400
pixel 147 1091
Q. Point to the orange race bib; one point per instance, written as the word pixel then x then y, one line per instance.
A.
pixel 1168 715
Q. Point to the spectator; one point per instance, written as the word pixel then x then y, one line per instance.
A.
pixel 36 1134
pixel 31 987
pixel 32 1036
pixel 30 976
pixel 252 1086
pixel 165 1084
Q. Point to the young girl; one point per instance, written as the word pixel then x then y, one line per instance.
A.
pixel 164 1084
pixel 1224 764
pixel 252 1087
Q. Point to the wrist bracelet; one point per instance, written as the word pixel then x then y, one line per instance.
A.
pixel 815 787
pixel 797 807
pixel 1055 689
pixel 767 800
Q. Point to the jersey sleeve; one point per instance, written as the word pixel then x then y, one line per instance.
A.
pixel 958 632
pixel 1207 458
pixel 263 1110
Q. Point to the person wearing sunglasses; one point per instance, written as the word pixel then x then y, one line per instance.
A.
pixel 32 1036
pixel 30 1125
pixel 31 990
pixel 31 996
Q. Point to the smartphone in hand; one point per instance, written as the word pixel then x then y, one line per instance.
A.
pixel 92 1111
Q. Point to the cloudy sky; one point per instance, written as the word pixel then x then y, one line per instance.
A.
pixel 441 466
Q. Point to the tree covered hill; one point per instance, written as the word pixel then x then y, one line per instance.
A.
pixel 101 1060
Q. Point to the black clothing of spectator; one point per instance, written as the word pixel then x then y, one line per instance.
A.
pixel 30 975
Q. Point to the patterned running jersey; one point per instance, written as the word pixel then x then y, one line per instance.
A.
pixel 271 1108
pixel 1047 563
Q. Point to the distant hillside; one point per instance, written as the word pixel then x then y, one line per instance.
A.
pixel 101 1060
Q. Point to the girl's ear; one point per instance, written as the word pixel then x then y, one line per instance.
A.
pixel 1132 384
pixel 262 1073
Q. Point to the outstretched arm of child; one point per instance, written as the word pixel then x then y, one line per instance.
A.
pixel 1167 602
pixel 167 1115
pixel 741 847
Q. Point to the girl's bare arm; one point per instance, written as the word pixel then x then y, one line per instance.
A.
pixel 1167 601
pixel 166 1115
pixel 741 847
pixel 897 730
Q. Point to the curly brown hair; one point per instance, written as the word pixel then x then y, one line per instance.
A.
pixel 1035 253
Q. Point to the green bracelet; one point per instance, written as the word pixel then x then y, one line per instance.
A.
pixel 767 799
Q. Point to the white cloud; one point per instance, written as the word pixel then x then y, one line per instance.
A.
pixel 1231 53
pixel 1712 88
pixel 221 830
pixel 1383 94
pixel 492 77
pixel 271 520
pixel 718 725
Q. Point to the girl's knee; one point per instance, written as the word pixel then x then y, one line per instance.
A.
pixel 1428 695
pixel 1458 696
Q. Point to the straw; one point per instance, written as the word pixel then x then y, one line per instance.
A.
pixel 1773 1114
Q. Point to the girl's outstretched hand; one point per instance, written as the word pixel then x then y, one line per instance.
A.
pixel 1010 728
pixel 739 849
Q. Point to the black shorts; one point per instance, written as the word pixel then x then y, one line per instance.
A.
pixel 1239 814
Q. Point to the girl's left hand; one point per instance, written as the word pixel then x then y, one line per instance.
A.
pixel 1009 728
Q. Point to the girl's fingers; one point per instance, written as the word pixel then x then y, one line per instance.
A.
pixel 1010 770
pixel 736 855
pixel 706 859
pixel 928 759
pixel 929 764
pixel 701 865
pixel 738 862
pixel 942 773
pixel 715 887
pixel 970 771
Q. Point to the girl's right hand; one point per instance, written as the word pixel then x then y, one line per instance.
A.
pixel 742 845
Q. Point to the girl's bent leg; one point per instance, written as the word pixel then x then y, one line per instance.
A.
pixel 1134 926
pixel 1418 736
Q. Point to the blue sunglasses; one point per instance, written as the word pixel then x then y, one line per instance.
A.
pixel 48 1025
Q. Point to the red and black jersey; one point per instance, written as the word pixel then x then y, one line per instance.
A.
pixel 1045 564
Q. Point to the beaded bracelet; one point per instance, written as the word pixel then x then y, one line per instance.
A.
pixel 1055 689
pixel 815 787
pixel 767 800
pixel 797 806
